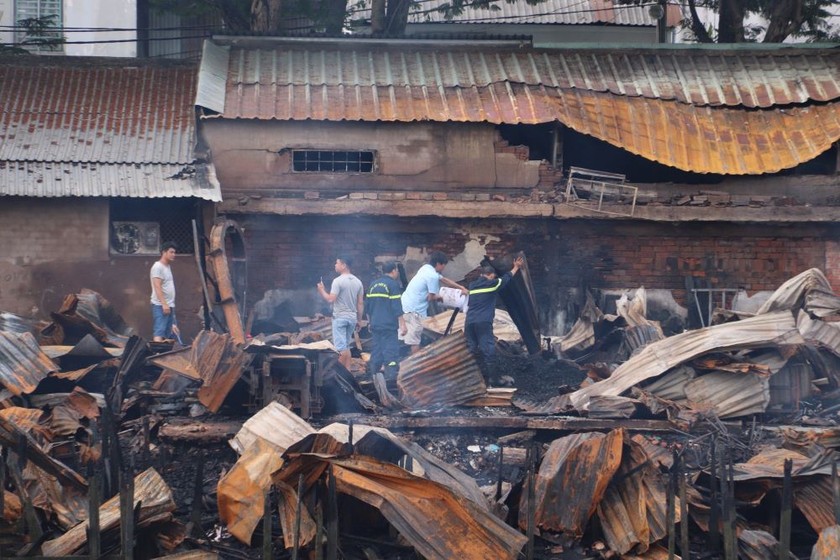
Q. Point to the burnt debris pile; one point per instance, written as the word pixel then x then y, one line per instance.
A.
pixel 720 442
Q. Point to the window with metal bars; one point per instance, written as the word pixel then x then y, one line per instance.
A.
pixel 140 226
pixel 333 161
pixel 49 13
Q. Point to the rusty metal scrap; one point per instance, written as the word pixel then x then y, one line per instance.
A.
pixel 241 491
pixel 275 424
pixel 632 512
pixel 827 545
pixel 22 363
pixel 434 520
pixel 151 493
pixel 572 479
pixel 774 328
pixel 229 273
pixel 213 358
pixel 756 545
pixel 445 372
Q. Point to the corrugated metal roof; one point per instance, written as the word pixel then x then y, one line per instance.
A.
pixel 77 110
pixel 690 109
pixel 736 78
pixel 729 395
pixel 565 12
pixel 51 179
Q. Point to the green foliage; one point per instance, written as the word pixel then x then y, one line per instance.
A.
pixel 40 34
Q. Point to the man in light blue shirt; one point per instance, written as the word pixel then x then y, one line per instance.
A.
pixel 422 289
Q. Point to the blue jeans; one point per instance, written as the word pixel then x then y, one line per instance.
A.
pixel 342 333
pixel 162 324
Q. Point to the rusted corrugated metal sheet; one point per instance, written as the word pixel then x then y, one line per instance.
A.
pixel 58 179
pixel 214 359
pixel 434 520
pixel 813 497
pixel 503 326
pixel 820 333
pixel 632 511
pixel 655 359
pixel 445 372
pixel 95 110
pixel 22 363
pixel 757 545
pixel 557 12
pixel 690 109
pixel 389 72
pixel 155 502
pixel 827 545
pixel 572 479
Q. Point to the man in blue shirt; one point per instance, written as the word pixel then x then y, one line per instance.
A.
pixel 422 289
pixel 478 326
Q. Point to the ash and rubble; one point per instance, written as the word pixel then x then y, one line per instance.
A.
pixel 618 442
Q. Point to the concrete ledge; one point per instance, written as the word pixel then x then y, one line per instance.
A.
pixel 525 209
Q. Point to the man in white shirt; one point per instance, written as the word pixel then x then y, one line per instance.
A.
pixel 422 289
pixel 164 324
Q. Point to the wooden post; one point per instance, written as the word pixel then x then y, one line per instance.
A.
pixel 730 537
pixel 266 544
pixel 94 501
pixel 198 495
pixel 30 517
pixel 531 522
pixel 714 511
pixel 787 506
pixel 127 513
pixel 332 518
pixel 146 439
pixel 319 534
pixel 298 514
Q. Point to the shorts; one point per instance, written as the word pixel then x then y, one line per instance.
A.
pixel 162 324
pixel 414 328
pixel 342 330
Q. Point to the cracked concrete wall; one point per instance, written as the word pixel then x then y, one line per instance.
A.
pixel 253 157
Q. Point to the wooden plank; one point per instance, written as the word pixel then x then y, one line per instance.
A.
pixel 516 422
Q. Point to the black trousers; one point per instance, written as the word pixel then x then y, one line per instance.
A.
pixel 386 351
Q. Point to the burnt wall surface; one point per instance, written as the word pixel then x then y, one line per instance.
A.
pixel 53 247
pixel 565 258
pixel 255 157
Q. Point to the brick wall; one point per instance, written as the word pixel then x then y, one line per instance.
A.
pixel 832 263
pixel 564 257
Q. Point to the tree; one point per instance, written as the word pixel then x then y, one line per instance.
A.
pixel 388 17
pixel 40 33
pixel 778 20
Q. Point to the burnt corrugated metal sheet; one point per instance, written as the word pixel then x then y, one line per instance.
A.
pixel 80 110
pixel 655 359
pixel 757 545
pixel 152 497
pixel 827 545
pixel 57 179
pixel 572 479
pixel 813 497
pixel 729 395
pixel 214 359
pixel 444 372
pixel 558 12
pixel 22 363
pixel 734 78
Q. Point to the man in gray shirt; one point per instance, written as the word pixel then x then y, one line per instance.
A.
pixel 164 324
pixel 347 298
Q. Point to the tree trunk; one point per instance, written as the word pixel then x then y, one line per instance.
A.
pixel 234 15
pixel 731 24
pixel 697 28
pixel 265 15
pixel 377 17
pixel 334 16
pixel 397 17
pixel 785 18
